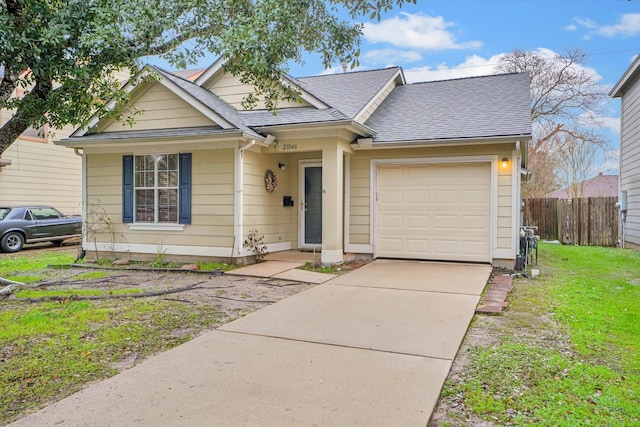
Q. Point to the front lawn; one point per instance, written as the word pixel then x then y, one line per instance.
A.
pixel 566 352
pixel 75 326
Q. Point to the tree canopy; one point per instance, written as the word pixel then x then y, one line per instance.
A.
pixel 64 53
pixel 566 103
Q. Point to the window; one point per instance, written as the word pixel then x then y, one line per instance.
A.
pixel 44 213
pixel 156 188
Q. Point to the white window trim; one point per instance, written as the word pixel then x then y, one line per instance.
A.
pixel 160 226
pixel 156 190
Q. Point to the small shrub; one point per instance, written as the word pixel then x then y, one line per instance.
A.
pixel 255 244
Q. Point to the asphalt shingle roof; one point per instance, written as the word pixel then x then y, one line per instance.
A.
pixel 291 116
pixel 347 92
pixel 476 107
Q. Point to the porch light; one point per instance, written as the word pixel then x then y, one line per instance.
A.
pixel 282 166
pixel 505 162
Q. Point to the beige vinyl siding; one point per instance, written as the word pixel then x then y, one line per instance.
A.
pixel 359 197
pixel 630 158
pixel 263 211
pixel 374 106
pixel 232 91
pixel 42 173
pixel 212 201
pixel 161 109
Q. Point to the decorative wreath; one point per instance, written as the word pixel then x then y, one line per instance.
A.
pixel 270 181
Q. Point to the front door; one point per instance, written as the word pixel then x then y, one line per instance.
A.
pixel 310 205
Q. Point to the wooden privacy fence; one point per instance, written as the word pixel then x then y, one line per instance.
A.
pixel 592 221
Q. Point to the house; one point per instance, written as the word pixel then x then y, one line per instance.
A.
pixel 628 90
pixel 598 186
pixel 363 163
pixel 33 170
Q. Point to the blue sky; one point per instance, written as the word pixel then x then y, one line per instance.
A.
pixel 441 39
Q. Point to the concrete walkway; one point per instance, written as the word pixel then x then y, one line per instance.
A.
pixel 372 348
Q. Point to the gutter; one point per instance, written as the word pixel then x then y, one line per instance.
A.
pixel 369 144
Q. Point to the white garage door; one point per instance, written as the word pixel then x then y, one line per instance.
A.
pixel 434 211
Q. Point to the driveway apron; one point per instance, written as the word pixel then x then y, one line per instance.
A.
pixel 372 347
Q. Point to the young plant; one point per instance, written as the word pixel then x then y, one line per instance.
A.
pixel 255 244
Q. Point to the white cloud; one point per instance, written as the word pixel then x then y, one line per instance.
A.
pixel 586 23
pixel 472 66
pixel 388 57
pixel 416 31
pixel 611 164
pixel 611 123
pixel 627 26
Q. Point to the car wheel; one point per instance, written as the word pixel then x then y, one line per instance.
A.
pixel 57 242
pixel 12 242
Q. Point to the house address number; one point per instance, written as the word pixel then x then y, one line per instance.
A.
pixel 289 147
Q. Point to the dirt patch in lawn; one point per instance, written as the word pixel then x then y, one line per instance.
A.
pixel 99 318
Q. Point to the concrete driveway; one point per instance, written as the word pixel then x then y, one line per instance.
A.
pixel 372 347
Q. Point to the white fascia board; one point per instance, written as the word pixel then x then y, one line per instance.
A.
pixel 366 145
pixel 377 95
pixel 211 71
pixel 128 88
pixel 189 99
pixel 616 91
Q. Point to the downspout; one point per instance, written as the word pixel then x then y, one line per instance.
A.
pixel 238 197
pixel 77 152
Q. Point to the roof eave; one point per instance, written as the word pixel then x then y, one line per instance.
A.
pixel 616 91
pixel 356 127
pixel 82 142
pixel 369 144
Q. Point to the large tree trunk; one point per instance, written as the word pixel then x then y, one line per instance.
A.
pixel 11 131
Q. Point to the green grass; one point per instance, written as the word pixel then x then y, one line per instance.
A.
pixel 309 266
pixel 50 350
pixel 212 266
pixel 90 275
pixel 37 293
pixel 569 351
pixel 14 264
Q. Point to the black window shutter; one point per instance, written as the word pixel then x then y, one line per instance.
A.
pixel 127 189
pixel 185 188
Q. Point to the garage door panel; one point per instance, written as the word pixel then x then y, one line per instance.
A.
pixel 417 246
pixel 390 196
pixel 474 196
pixel 414 197
pixel 419 222
pixel 435 211
pixel 391 222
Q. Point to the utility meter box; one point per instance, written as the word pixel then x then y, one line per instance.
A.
pixel 623 201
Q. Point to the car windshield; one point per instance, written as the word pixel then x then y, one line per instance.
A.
pixel 4 212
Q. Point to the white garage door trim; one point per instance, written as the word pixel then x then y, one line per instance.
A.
pixel 492 160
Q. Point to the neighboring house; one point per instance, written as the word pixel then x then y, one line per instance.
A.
pixel 598 186
pixel 364 163
pixel 628 90
pixel 35 171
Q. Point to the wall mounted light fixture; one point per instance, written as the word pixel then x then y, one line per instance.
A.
pixel 505 162
pixel 282 166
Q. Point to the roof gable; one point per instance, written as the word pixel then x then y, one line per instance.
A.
pixel 136 87
pixel 351 93
pixel 229 88
pixel 476 107
pixel 159 108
